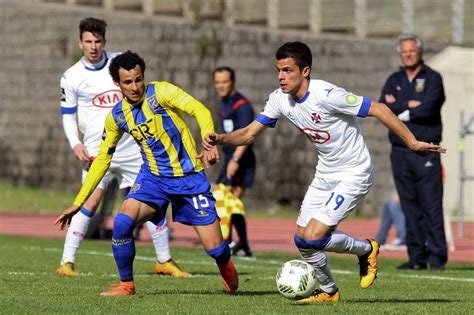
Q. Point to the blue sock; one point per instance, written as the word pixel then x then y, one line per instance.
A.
pixel 221 253
pixel 123 246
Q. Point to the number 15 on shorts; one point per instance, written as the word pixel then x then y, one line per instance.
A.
pixel 200 202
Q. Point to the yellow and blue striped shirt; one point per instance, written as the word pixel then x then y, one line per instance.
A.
pixel 157 125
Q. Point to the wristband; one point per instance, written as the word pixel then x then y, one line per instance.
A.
pixel 235 159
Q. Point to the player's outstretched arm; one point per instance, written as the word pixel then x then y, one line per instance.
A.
pixel 385 115
pixel 65 217
pixel 243 136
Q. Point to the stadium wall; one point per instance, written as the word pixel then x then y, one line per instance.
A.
pixel 39 42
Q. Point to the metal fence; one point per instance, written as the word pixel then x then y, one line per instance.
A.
pixel 443 21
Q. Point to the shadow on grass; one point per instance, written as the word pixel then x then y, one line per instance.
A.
pixel 388 300
pixel 405 300
pixel 196 274
pixel 211 292
pixel 460 267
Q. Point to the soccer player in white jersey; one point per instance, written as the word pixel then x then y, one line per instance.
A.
pixel 326 114
pixel 87 96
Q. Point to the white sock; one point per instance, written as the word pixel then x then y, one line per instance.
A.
pixel 159 235
pixel 320 263
pixel 340 242
pixel 75 234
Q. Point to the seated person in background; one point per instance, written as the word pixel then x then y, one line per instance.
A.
pixel 392 215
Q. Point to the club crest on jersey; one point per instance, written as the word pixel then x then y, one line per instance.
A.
pixel 419 85
pixel 120 119
pixel 316 136
pixel 151 100
pixel 315 117
pixel 107 99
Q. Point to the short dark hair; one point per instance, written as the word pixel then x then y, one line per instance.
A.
pixel 128 60
pixel 299 51
pixel 225 68
pixel 93 25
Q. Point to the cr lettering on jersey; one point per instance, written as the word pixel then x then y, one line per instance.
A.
pixel 142 131
pixel 316 136
pixel 107 99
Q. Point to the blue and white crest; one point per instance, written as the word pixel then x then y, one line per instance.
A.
pixel 154 105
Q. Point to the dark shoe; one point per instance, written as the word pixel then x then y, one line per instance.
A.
pixel 242 252
pixel 237 249
pixel 410 266
pixel 437 268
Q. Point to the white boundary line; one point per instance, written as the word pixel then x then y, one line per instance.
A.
pixel 248 261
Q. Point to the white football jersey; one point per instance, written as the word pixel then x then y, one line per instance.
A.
pixel 90 93
pixel 327 116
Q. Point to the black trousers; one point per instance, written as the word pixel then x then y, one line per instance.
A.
pixel 420 186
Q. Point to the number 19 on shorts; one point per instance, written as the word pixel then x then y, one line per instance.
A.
pixel 338 200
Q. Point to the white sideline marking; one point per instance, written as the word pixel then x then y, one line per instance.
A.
pixel 248 261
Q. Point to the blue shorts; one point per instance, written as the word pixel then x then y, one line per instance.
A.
pixel 244 176
pixel 190 197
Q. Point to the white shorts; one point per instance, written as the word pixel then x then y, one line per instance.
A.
pixel 125 170
pixel 331 201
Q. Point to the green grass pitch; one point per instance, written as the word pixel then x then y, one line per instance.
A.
pixel 28 284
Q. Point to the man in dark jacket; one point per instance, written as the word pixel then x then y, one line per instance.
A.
pixel 415 93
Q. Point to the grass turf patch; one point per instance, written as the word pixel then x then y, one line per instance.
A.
pixel 29 285
pixel 32 200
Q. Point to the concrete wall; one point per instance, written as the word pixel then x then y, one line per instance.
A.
pixel 456 65
pixel 39 41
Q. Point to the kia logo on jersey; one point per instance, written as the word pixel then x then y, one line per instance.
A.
pixel 107 98
pixel 316 136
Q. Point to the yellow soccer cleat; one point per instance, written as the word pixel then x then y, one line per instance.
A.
pixel 319 296
pixel 368 265
pixel 170 268
pixel 120 289
pixel 67 269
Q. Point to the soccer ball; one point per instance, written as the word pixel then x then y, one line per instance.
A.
pixel 296 279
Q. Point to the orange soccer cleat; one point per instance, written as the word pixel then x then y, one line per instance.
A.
pixel 230 278
pixel 120 289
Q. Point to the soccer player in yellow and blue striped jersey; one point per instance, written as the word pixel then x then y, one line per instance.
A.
pixel 172 171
